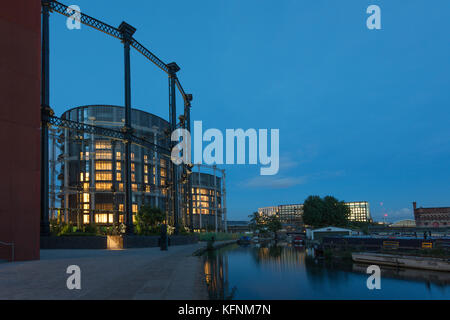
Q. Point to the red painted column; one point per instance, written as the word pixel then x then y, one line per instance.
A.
pixel 20 71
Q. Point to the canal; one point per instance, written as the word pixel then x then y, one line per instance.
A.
pixel 287 272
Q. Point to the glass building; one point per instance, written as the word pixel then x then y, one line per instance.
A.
pixel 293 213
pixel 208 200
pixel 359 211
pixel 91 173
pixel 92 167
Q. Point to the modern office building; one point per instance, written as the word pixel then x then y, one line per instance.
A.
pixel 91 173
pixel 293 213
pixel 268 211
pixel 288 213
pixel 359 211
pixel 432 217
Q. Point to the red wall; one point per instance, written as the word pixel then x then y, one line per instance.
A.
pixel 20 29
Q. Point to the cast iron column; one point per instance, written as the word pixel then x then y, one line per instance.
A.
pixel 127 33
pixel 173 69
pixel 187 111
pixel 45 112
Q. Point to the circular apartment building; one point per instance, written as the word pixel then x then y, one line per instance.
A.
pixel 92 170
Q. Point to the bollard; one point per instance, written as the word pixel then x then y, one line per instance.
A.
pixel 163 240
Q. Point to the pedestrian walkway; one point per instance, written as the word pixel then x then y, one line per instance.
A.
pixel 147 273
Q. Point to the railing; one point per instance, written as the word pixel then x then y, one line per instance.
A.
pixel 12 248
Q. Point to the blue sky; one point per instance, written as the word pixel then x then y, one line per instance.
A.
pixel 363 114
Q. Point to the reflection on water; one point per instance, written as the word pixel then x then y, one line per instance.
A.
pixel 283 271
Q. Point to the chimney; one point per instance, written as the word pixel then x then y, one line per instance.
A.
pixel 414 205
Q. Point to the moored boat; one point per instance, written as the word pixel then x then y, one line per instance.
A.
pixel 416 262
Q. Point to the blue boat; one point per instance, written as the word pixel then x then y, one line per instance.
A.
pixel 244 240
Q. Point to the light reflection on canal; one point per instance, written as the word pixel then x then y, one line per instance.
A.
pixel 287 272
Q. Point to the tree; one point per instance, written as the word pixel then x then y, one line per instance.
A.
pixel 329 211
pixel 255 221
pixel 147 219
pixel 273 224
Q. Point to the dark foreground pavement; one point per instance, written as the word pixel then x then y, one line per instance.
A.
pixel 147 273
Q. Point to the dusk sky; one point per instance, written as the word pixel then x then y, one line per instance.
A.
pixel 363 114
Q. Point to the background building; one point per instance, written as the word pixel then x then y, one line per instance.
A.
pixel 359 211
pixel 293 213
pixel 432 217
pixel 208 198
pixel 288 213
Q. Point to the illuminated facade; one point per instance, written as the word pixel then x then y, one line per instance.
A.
pixel 288 213
pixel 293 213
pixel 208 199
pixel 359 211
pixel 92 167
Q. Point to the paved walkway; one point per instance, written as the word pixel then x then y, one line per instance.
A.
pixel 108 274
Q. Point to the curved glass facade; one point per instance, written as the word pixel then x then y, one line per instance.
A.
pixel 92 170
pixel 207 201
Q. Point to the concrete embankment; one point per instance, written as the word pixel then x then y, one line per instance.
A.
pixel 215 245
pixel 146 273
pixel 415 262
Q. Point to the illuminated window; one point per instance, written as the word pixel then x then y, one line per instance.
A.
pixel 86 186
pixel 162 163
pixel 118 176
pixel 121 207
pixel 102 145
pixel 121 218
pixel 132 156
pixel 85 156
pixel 145 179
pixel 132 167
pixel 118 155
pixel 101 218
pixel 135 208
pixel 118 165
pixel 103 176
pixel 111 218
pixel 103 186
pixel 86 206
pixel 120 186
pixel 163 182
pixel 133 177
pixel 134 187
pixel 145 158
pixel 147 188
pixel 103 165
pixel 86 219
pixel 145 169
pixel 85 197
pixel 163 172
pixel 106 155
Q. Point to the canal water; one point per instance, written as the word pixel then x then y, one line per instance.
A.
pixel 291 273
